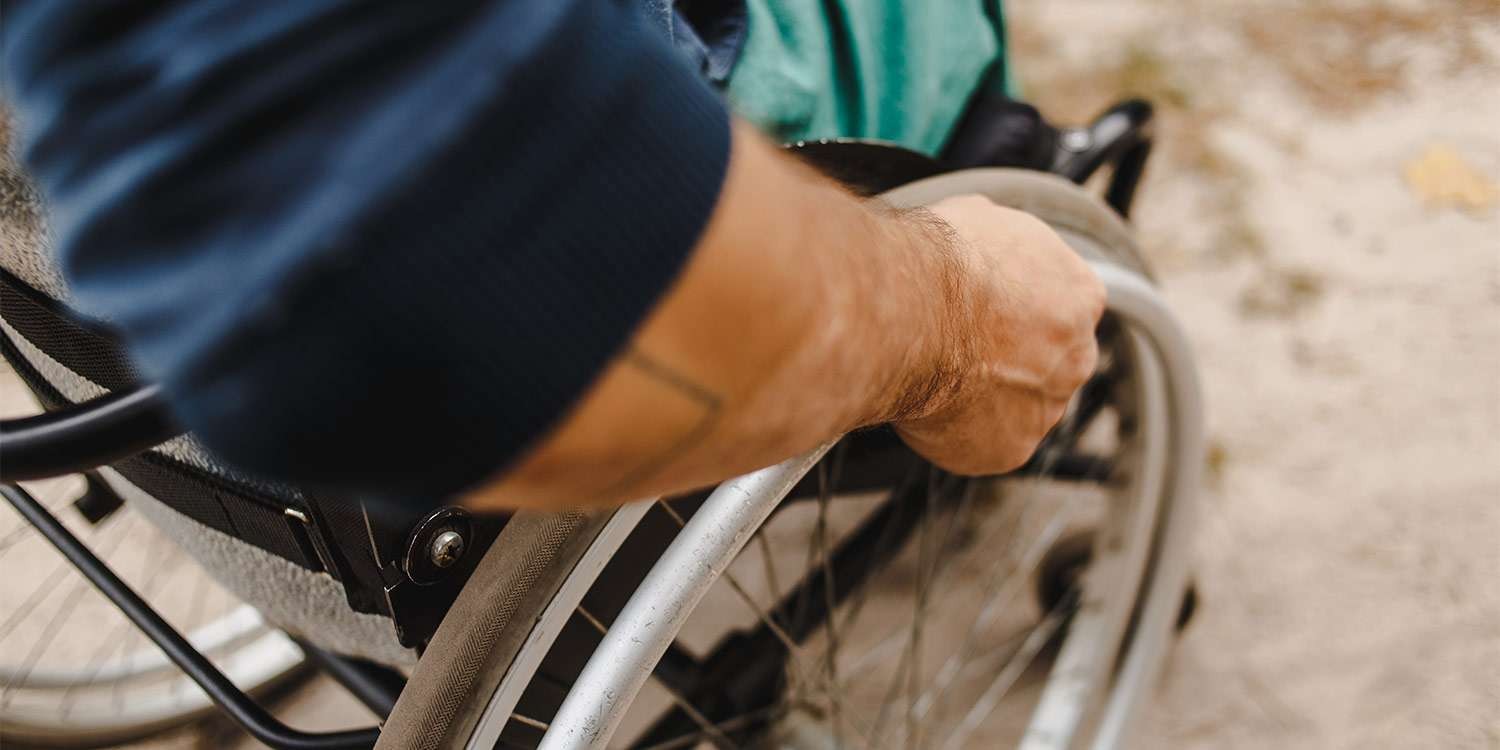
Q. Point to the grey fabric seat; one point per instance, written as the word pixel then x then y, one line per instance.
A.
pixel 192 497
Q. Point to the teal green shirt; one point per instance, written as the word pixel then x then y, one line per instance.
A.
pixel 896 70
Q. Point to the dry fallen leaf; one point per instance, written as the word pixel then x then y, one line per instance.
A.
pixel 1441 177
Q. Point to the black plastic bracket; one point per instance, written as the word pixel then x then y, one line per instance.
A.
pixel 98 501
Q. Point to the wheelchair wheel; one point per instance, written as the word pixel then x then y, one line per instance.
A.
pixel 73 670
pixel 856 597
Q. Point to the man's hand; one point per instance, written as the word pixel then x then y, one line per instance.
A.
pixel 1023 312
pixel 805 313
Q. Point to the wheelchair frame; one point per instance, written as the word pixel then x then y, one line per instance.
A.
pixel 92 434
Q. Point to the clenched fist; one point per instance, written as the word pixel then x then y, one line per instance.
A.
pixel 1019 340
pixel 806 312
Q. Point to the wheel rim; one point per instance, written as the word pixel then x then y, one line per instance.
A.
pixel 918 683
pixel 1045 730
pixel 1098 701
pixel 73 670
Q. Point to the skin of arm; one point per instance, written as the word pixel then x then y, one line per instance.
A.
pixel 804 313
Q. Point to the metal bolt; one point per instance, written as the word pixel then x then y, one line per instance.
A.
pixel 446 548
pixel 1077 140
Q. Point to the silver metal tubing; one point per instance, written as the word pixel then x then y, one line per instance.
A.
pixel 550 624
pixel 1118 576
pixel 659 608
pixel 1139 304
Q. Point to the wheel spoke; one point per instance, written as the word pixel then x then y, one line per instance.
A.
pixel 743 721
pixel 1003 650
pixel 14 536
pixel 120 635
pixel 1003 521
pixel 53 628
pixel 830 661
pixel 50 633
pixel 935 551
pixel 919 610
pixel 525 720
pixel 769 563
pixel 35 598
pixel 894 637
pixel 744 595
pixel 124 633
pixel 48 586
pixel 48 636
pixel 1078 467
pixel 889 698
pixel 890 536
pixel 1035 641
pixel 706 728
pixel 807 676
pixel 997 598
pixel 196 607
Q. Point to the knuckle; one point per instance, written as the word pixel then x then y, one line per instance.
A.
pixel 1014 457
pixel 1076 379
pixel 1088 360
pixel 1093 292
pixel 1050 417
pixel 971 201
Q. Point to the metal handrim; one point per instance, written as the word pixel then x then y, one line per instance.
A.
pixel 642 631
pixel 501 704
pixel 1099 236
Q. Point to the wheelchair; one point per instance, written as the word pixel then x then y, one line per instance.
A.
pixel 854 596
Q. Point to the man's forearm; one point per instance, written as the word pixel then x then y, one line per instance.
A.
pixel 804 313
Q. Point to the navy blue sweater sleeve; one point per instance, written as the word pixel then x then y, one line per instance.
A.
pixel 372 247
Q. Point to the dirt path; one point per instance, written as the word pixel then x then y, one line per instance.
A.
pixel 1349 333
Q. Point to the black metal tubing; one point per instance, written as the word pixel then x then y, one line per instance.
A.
pixel 1127 177
pixel 1121 138
pixel 244 711
pixel 376 686
pixel 1107 139
pixel 98 501
pixel 85 436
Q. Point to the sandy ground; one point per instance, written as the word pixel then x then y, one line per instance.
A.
pixel 1324 214
pixel 1348 326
